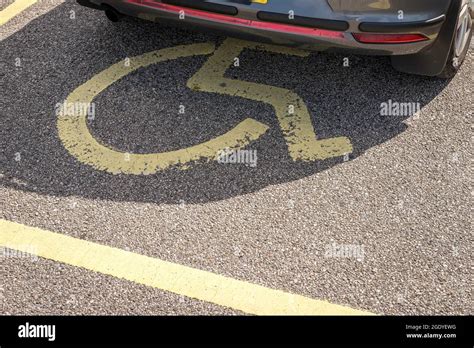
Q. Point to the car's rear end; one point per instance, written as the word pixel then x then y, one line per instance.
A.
pixel 386 27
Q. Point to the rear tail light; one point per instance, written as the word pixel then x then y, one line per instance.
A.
pixel 389 38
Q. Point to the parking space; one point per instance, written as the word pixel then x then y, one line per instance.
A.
pixel 121 135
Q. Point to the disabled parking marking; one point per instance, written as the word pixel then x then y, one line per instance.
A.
pixel 293 116
pixel 78 140
pixel 183 280
pixel 14 9
pixel 291 111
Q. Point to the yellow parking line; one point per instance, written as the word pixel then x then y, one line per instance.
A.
pixel 14 9
pixel 182 280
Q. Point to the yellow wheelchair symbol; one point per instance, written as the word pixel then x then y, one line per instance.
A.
pixel 291 111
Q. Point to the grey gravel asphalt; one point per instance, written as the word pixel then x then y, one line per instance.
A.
pixel 404 196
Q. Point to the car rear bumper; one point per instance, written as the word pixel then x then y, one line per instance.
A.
pixel 341 29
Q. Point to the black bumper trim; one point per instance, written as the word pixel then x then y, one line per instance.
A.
pixel 401 27
pixel 303 21
pixel 205 6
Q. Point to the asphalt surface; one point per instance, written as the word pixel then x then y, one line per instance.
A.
pixel 404 196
